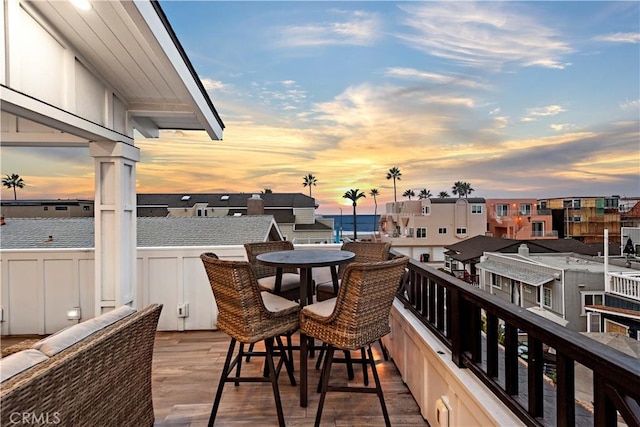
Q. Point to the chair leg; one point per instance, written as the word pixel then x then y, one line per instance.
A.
pixel 385 353
pixel 326 371
pixel 241 350
pixel 273 375
pixel 249 352
pixel 363 356
pixel 223 377
pixel 347 357
pixel 387 422
pixel 288 363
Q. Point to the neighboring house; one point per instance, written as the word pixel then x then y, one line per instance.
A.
pixel 294 212
pixel 423 228
pixel 618 309
pixel 556 286
pixel 47 208
pixel 75 233
pixel 519 219
pixel 586 218
pixel 461 258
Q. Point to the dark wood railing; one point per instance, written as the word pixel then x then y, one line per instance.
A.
pixel 482 330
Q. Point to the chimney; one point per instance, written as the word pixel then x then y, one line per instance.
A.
pixel 523 250
pixel 2 220
pixel 255 205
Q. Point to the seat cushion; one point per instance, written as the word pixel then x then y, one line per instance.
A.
pixel 322 309
pixel 274 303
pixel 289 281
pixel 65 338
pixel 327 286
pixel 13 364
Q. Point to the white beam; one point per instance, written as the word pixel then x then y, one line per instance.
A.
pixel 146 127
pixel 21 105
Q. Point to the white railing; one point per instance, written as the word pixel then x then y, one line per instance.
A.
pixel 626 285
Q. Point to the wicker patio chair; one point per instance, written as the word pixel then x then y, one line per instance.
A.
pixel 356 318
pixel 249 315
pixel 289 285
pixel 365 252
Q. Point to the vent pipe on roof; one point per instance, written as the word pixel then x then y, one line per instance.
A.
pixel 523 250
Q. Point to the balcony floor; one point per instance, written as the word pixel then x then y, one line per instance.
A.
pixel 186 370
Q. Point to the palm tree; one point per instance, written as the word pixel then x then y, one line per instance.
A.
pixel 424 194
pixel 13 181
pixel 354 195
pixel 462 189
pixel 394 173
pixel 308 181
pixel 374 193
pixel 467 189
pixel 409 193
pixel 443 194
pixel 458 188
pixel 267 191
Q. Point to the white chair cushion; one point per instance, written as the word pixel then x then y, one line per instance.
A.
pixel 289 281
pixel 274 303
pixel 65 338
pixel 321 309
pixel 15 363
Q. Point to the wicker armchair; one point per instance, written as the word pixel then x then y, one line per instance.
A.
pixel 358 317
pixel 248 316
pixel 365 252
pixel 288 286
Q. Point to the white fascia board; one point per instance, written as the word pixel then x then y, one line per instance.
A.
pixel 202 110
pixel 33 109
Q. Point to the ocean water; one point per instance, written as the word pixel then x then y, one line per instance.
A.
pixel 365 222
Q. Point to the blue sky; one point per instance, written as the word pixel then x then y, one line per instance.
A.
pixel 521 99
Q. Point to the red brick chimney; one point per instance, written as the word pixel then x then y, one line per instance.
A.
pixel 255 205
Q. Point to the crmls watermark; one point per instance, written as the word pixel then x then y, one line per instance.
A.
pixel 27 418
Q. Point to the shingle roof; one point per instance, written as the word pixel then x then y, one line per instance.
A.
pixel 33 233
pixel 235 200
pixel 473 247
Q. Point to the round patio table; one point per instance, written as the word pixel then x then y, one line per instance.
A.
pixel 305 260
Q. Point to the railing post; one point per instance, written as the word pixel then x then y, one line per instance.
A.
pixel 604 412
pixel 534 375
pixel 511 359
pixel 459 322
pixel 565 400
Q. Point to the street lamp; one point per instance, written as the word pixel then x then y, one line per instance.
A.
pixel 340 231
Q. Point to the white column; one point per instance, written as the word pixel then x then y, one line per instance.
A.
pixel 115 224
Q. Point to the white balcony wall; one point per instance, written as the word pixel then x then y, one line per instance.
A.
pixel 37 287
pixel 426 367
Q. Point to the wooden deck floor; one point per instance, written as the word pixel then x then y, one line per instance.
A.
pixel 186 370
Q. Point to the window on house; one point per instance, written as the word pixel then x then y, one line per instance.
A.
pixel 461 230
pixel 537 229
pixel 543 204
pixel 476 209
pixel 591 298
pixel 496 281
pixel 61 208
pixel 425 210
pixel 576 218
pixel 442 230
pixel 421 232
pixel 566 203
pixel 612 203
pixel 546 301
pixel 525 208
pixel 86 208
pixel 527 289
pixel 199 212
pixel 577 204
pixel 46 208
pixel 502 210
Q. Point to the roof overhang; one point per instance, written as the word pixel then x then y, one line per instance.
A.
pixel 548 315
pixel 130 46
pixel 520 274
pixel 620 312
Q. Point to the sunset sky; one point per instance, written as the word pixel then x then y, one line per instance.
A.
pixel 520 99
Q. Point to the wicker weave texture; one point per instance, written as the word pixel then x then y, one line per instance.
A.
pixel 104 380
pixel 255 249
pixel 362 307
pixel 364 252
pixel 241 311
